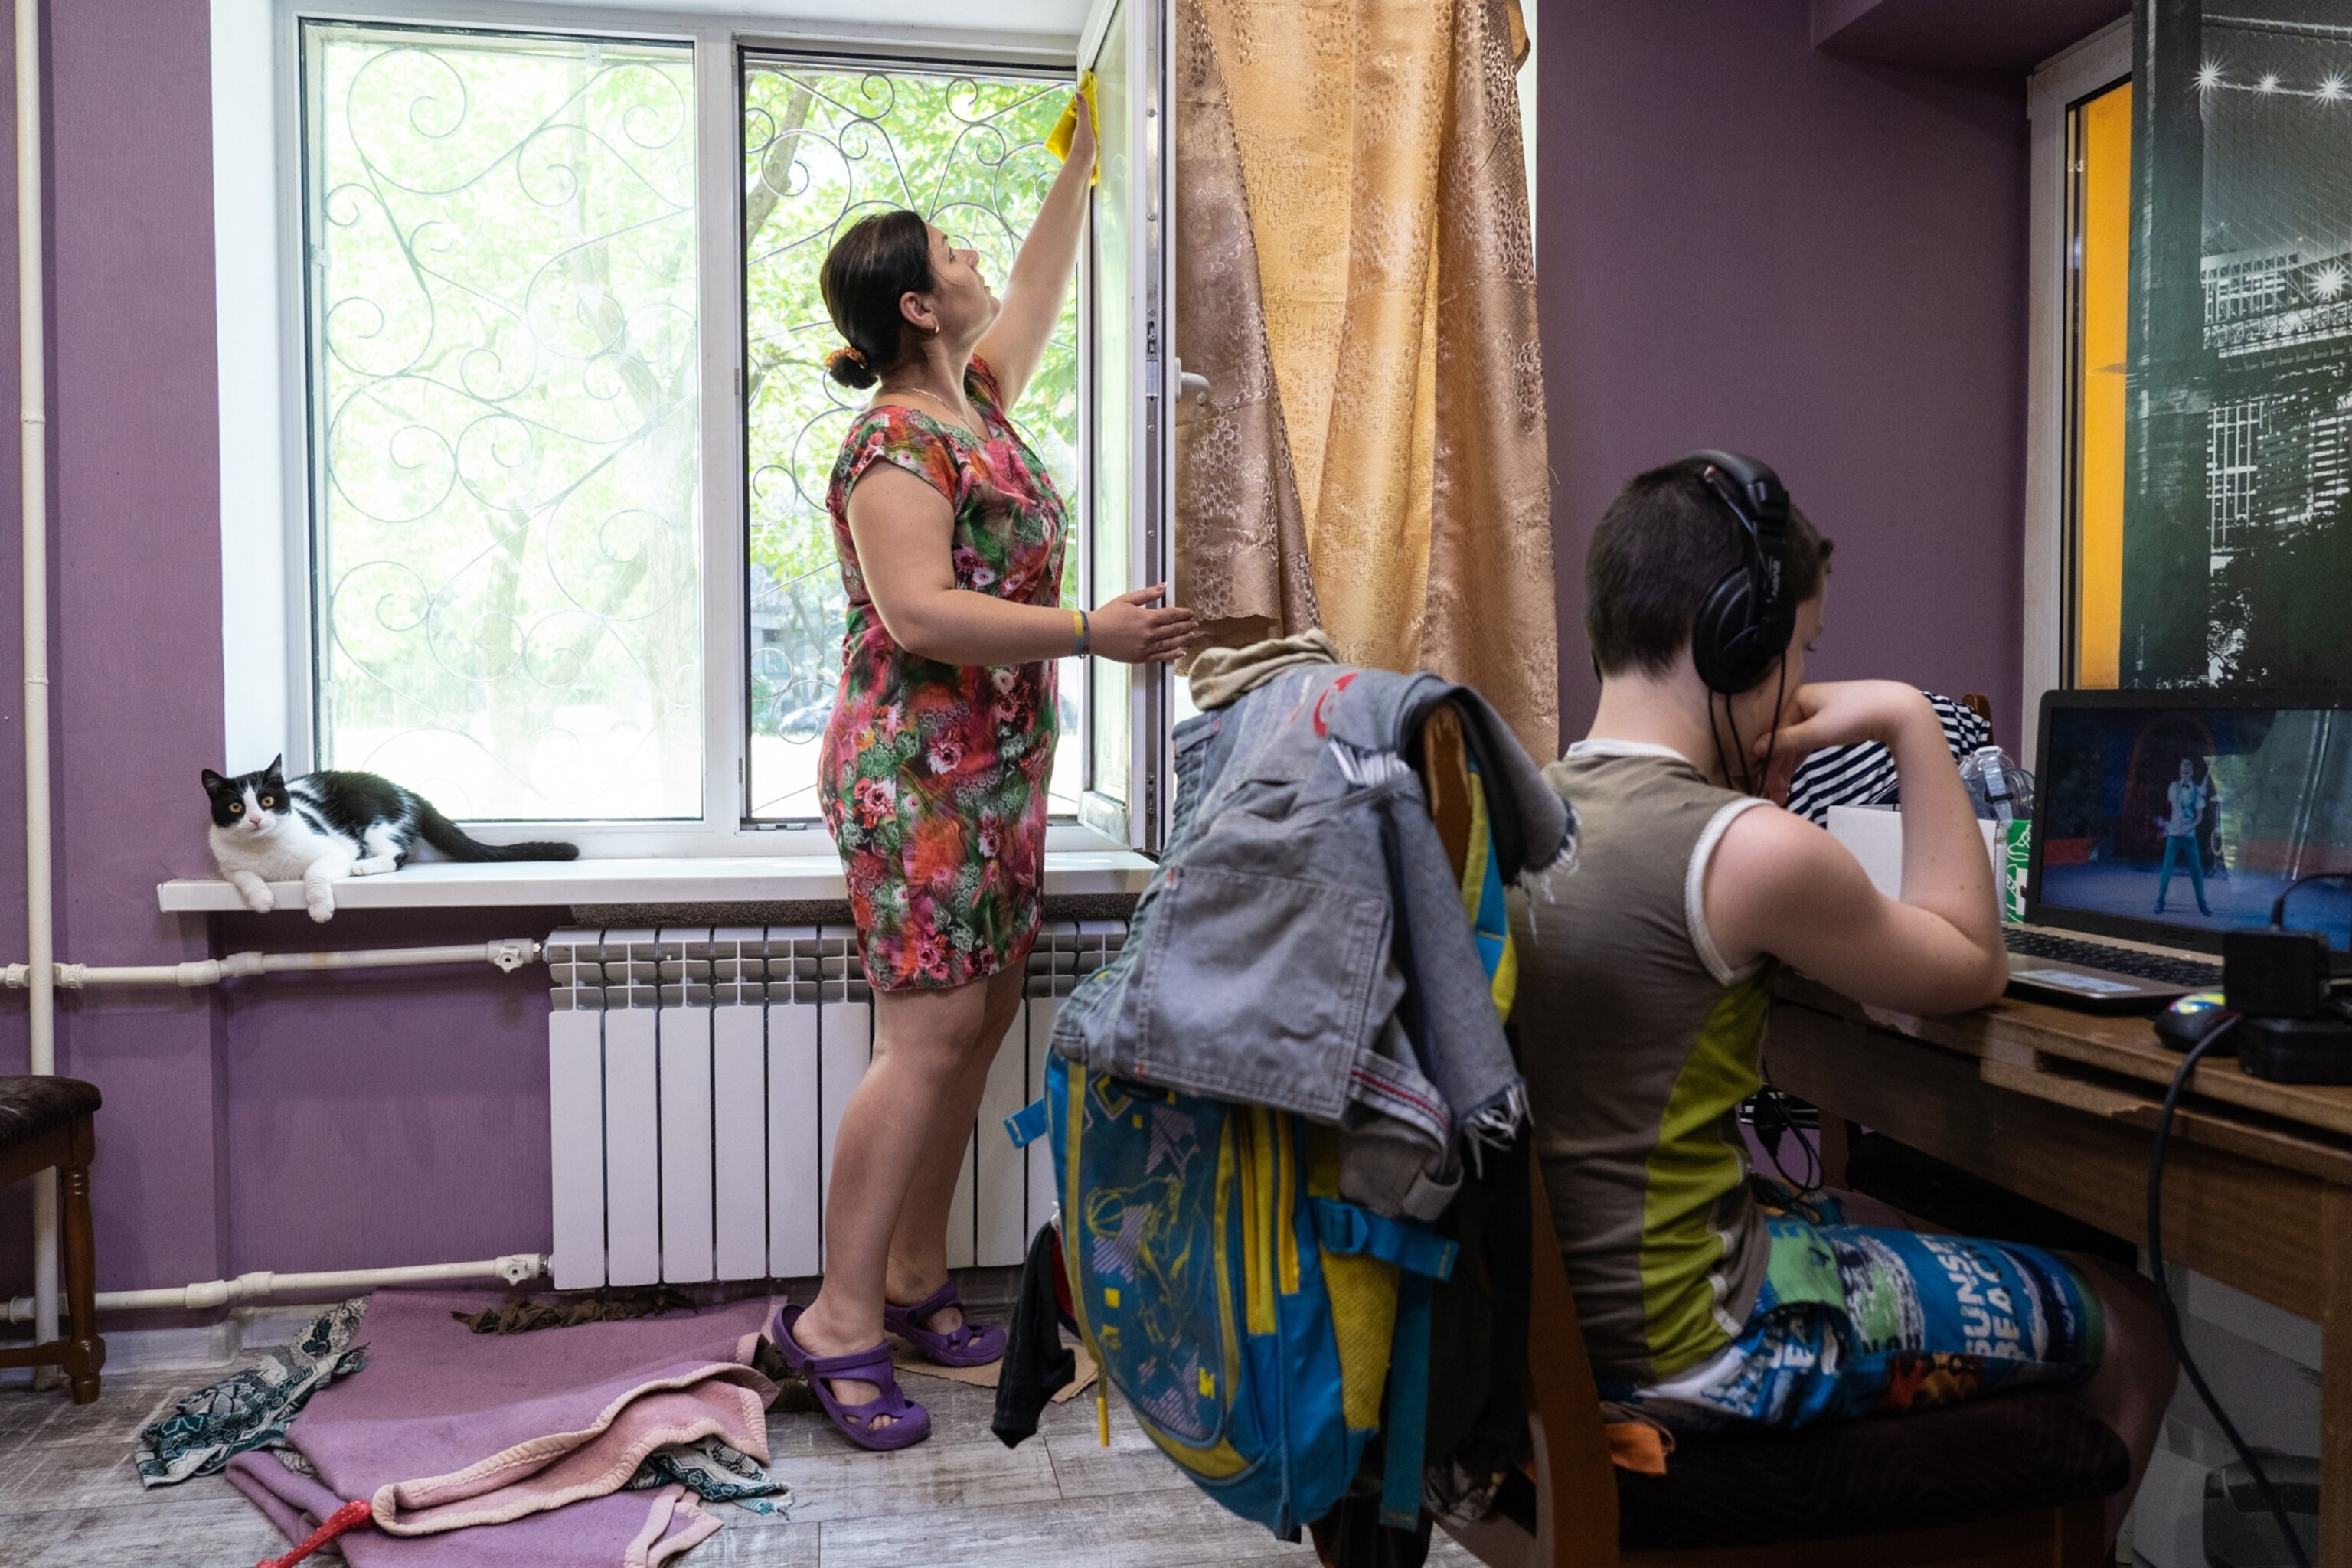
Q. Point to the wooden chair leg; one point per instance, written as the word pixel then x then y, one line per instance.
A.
pixel 85 1351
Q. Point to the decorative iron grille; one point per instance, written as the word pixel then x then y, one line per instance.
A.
pixel 822 148
pixel 506 418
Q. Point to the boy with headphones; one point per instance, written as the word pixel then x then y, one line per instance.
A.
pixel 1644 993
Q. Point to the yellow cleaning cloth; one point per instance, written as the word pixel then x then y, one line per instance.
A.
pixel 1065 130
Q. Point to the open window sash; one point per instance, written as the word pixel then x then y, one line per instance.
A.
pixel 1126 434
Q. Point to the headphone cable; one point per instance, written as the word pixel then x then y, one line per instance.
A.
pixel 1715 734
pixel 1773 1101
pixel 1751 782
pixel 2171 1313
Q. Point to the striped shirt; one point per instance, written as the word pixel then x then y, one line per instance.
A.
pixel 1863 774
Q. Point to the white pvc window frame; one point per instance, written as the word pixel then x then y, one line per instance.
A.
pixel 2052 90
pixel 267 606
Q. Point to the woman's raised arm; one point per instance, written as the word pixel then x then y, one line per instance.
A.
pixel 1041 273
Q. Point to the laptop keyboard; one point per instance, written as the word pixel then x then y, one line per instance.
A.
pixel 2190 972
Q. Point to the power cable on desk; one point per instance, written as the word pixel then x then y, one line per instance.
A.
pixel 2278 905
pixel 2171 1314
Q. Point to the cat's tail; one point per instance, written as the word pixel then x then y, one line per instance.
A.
pixel 452 840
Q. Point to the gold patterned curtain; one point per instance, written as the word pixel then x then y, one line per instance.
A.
pixel 1356 280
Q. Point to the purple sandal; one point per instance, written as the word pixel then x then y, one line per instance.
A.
pixel 969 1345
pixel 910 1422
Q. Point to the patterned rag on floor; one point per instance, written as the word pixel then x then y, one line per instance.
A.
pixel 480 1451
pixel 715 1472
pixel 252 1409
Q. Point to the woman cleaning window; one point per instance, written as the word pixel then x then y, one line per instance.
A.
pixel 934 767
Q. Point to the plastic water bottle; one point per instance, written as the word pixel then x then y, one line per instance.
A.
pixel 2003 793
pixel 1998 787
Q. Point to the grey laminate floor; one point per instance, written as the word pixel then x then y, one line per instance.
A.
pixel 69 1498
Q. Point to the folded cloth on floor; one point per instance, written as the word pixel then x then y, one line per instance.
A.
pixel 455 1431
pixel 706 1467
pixel 253 1408
pixel 650 1530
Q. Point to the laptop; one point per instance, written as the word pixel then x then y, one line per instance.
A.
pixel 2163 818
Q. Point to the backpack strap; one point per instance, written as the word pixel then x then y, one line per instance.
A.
pixel 1405 1436
pixel 1423 1257
pixel 1346 1228
pixel 1027 1125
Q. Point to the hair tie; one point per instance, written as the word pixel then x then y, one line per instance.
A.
pixel 844 353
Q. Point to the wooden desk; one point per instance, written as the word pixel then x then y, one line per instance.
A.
pixel 2059 1106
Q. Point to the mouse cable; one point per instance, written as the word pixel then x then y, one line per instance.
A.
pixel 2171 1313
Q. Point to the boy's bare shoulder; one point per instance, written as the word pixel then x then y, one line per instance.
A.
pixel 1774 858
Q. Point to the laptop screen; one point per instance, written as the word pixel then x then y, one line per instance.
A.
pixel 2192 817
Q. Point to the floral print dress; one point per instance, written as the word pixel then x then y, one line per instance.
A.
pixel 933 776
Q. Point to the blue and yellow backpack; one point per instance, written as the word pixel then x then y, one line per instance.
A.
pixel 1263 1328
pixel 1246 1312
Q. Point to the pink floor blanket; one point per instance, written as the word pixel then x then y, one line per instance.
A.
pixel 485 1451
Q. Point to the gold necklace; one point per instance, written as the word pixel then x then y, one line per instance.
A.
pixel 935 397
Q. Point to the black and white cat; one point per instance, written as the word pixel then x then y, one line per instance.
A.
pixel 324 826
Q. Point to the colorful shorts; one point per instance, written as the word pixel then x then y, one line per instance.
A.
pixel 1853 1321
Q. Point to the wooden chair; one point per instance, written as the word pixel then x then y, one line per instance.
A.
pixel 46 1123
pixel 1578 1522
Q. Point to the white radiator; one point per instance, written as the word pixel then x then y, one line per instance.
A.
pixel 696 1080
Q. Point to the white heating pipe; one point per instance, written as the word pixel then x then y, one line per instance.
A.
pixel 33 396
pixel 509 953
pixel 515 1269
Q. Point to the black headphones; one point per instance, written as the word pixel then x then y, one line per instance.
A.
pixel 1747 617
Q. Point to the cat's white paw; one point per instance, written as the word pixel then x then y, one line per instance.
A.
pixel 371 868
pixel 322 905
pixel 259 899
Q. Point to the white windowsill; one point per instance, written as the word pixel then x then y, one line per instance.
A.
pixel 780 878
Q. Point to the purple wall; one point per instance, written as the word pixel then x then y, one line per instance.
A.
pixel 387 1119
pixel 1747 243
pixel 293 1123
pixel 135 579
pixel 134 496
pixel 1744 242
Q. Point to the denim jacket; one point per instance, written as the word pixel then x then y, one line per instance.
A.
pixel 1304 945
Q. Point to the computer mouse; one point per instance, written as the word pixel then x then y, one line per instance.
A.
pixel 2192 1018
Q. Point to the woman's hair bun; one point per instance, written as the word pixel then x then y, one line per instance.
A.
pixel 876 262
pixel 848 367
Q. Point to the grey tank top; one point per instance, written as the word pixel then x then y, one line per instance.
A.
pixel 1639 1043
